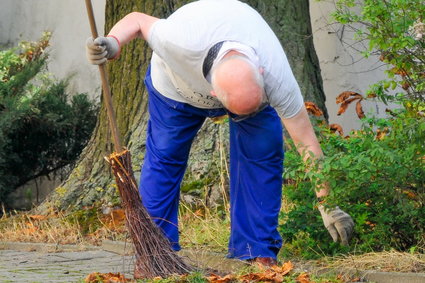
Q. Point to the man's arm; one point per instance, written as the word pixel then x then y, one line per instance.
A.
pixel 134 25
pixel 339 224
pixel 301 131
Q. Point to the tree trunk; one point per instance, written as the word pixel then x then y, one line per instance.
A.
pixel 91 182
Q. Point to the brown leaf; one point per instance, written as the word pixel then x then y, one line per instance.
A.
pixel 344 105
pixel 115 219
pixel 313 108
pixel 336 128
pixel 31 229
pixel 345 95
pixel 97 277
pixel 287 267
pixel 359 109
pixel 214 278
pixel 410 194
pixel 303 278
pixel 380 134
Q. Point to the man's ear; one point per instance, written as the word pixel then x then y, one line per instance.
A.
pixel 213 93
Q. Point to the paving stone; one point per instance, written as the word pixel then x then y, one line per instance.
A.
pixel 24 266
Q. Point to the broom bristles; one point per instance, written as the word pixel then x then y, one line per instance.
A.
pixel 154 255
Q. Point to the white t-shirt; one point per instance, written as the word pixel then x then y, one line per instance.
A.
pixel 182 41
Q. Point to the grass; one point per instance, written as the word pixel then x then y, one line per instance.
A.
pixel 79 228
pixel 386 261
pixel 202 229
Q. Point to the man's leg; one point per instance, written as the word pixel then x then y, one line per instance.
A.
pixel 171 129
pixel 256 167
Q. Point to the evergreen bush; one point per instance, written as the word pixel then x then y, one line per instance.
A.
pixel 42 128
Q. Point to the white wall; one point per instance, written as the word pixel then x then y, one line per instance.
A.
pixel 68 21
pixel 342 67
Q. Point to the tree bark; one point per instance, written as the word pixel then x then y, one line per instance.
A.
pixel 91 182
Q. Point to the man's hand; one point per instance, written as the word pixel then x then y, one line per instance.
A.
pixel 101 49
pixel 339 224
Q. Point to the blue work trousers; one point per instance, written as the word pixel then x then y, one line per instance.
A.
pixel 256 167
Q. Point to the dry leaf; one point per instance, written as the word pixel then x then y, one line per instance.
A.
pixel 30 228
pixel 336 128
pixel 114 219
pixel 97 277
pixel 345 95
pixel 303 278
pixel 344 105
pixel 359 109
pixel 380 134
pixel 410 194
pixel 287 267
pixel 313 108
pixel 214 278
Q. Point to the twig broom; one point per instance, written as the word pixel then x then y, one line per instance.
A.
pixel 154 255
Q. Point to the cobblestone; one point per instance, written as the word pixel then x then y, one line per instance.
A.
pixel 24 266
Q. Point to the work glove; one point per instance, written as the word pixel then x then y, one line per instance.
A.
pixel 339 224
pixel 101 49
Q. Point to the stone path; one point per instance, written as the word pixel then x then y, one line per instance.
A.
pixel 21 266
pixel 33 263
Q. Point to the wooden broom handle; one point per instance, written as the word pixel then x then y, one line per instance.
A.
pixel 105 85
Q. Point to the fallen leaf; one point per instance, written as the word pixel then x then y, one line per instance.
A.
pixel 303 278
pixel 287 267
pixel 336 128
pixel 313 108
pixel 359 109
pixel 345 95
pixel 214 278
pixel 97 277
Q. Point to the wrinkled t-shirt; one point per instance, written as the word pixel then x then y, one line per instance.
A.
pixel 181 42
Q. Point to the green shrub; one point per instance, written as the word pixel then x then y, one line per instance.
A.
pixel 377 174
pixel 42 128
pixel 394 30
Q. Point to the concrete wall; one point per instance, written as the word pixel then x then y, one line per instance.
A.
pixel 342 67
pixel 67 20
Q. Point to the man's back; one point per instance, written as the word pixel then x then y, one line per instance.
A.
pixel 182 41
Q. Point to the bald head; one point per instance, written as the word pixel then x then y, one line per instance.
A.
pixel 238 84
